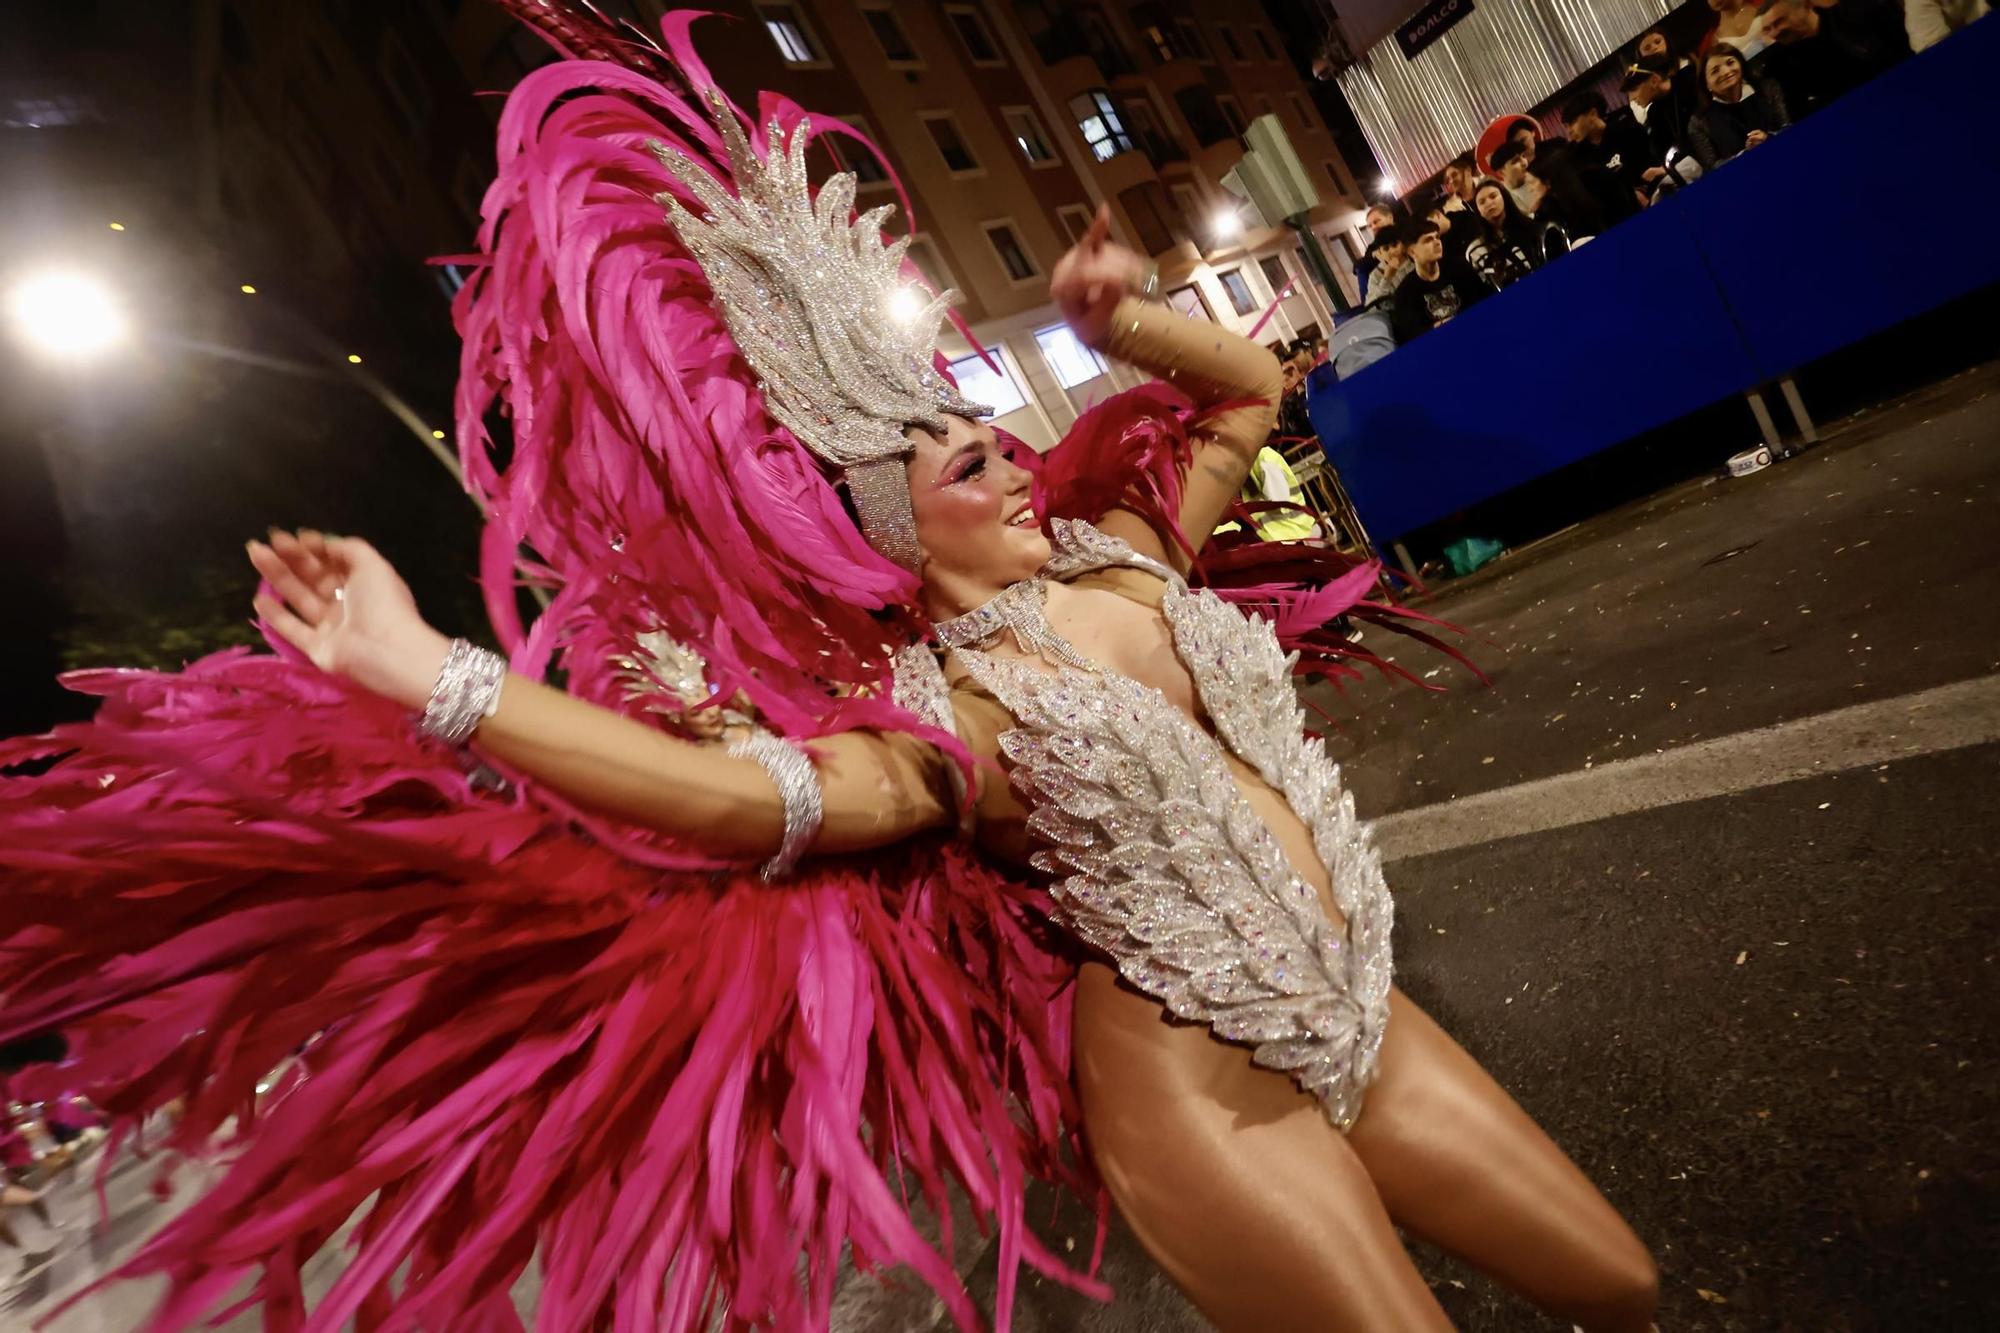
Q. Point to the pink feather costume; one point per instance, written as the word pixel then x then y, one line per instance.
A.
pixel 535 1032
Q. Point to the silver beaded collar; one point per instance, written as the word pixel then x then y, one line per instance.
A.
pixel 1021 608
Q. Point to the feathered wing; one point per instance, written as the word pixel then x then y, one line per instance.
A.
pixel 687 1092
pixel 525 1031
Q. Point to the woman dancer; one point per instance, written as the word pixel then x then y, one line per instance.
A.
pixel 1263 1106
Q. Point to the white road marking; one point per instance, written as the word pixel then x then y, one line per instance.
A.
pixel 1949 717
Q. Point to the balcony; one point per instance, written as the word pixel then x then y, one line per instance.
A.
pixel 1067 39
pixel 1160 149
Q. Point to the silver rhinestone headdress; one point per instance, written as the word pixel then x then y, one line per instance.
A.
pixel 818 306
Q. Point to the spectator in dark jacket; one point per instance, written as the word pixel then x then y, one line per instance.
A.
pixel 1682 75
pixel 1432 294
pixel 1610 143
pixel 1737 115
pixel 1649 100
pixel 1506 243
pixel 1817 54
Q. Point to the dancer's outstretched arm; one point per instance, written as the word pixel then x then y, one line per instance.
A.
pixel 1204 360
pixel 875 791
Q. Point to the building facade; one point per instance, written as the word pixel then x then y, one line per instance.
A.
pixel 360 131
pixel 1010 124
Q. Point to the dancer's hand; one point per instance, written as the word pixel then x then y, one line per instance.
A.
pixel 349 612
pixel 1093 277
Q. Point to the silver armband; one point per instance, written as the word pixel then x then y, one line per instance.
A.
pixel 467 692
pixel 798 786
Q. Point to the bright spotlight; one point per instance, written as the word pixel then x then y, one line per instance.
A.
pixel 1227 222
pixel 1386 187
pixel 905 303
pixel 67 314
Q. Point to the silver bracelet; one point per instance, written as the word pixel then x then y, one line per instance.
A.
pixel 467 692
pixel 798 785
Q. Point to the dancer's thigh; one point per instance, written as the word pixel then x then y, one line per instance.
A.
pixel 1233 1180
pixel 1457 1162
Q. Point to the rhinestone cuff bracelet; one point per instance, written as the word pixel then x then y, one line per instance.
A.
pixel 467 692
pixel 798 785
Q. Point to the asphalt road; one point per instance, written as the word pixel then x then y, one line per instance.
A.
pixel 1761 1016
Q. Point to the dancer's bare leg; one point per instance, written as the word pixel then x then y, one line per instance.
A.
pixel 1233 1180
pixel 1458 1163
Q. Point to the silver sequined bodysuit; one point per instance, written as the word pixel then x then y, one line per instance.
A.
pixel 1160 861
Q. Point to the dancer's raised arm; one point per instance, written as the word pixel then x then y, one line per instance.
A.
pixel 1212 365
pixel 348 610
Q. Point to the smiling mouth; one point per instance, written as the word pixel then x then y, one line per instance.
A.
pixel 1024 518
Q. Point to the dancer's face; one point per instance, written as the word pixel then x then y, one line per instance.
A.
pixel 975 517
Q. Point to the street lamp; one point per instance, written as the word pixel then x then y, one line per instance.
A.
pixel 1386 187
pixel 1226 223
pixel 66 314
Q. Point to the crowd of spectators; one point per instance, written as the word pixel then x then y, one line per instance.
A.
pixel 1521 198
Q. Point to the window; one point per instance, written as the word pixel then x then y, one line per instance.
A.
pixel 1264 43
pixel 1140 113
pixel 789 31
pixel 1237 289
pixel 1303 111
pixel 1333 174
pixel 1229 42
pixel 1192 42
pixel 944 133
pixel 1075 219
pixel 1014 256
pixel 1026 131
pixel 924 255
pixel 1157 41
pixel 889 33
pixel 1190 302
pixel 1068 358
pixel 983 384
pixel 1233 113
pixel 973 35
pixel 1198 106
pixel 1189 202
pixel 1103 128
pixel 1275 274
pixel 409 95
pixel 851 156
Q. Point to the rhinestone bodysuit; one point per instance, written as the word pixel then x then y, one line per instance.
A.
pixel 1161 863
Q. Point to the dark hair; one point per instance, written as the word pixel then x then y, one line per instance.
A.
pixel 1419 229
pixel 1513 216
pixel 1506 153
pixel 1639 71
pixel 1582 105
pixel 1661 33
pixel 1388 236
pixel 1465 162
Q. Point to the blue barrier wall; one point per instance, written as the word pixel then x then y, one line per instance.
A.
pixel 1809 243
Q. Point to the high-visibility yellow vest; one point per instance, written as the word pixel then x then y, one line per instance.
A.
pixel 1275 526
